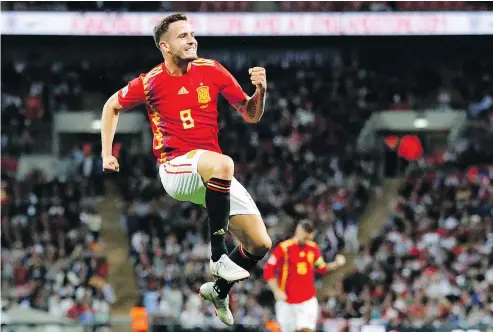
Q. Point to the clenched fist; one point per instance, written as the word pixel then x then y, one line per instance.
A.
pixel 340 260
pixel 258 77
pixel 110 163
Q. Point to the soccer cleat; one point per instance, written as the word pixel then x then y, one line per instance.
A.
pixel 228 270
pixel 208 293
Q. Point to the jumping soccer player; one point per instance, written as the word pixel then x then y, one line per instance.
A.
pixel 296 260
pixel 181 96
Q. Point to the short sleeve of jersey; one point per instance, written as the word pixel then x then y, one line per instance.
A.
pixel 229 86
pixel 276 257
pixel 274 261
pixel 132 94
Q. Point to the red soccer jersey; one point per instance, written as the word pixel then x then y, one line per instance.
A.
pixel 295 266
pixel 182 110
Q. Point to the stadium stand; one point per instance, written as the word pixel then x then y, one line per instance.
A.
pixel 431 263
pixel 52 256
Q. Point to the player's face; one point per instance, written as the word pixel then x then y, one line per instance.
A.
pixel 182 44
pixel 302 236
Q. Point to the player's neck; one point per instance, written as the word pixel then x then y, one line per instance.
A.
pixel 300 244
pixel 176 69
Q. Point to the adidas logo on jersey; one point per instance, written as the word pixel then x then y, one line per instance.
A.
pixel 183 91
pixel 220 232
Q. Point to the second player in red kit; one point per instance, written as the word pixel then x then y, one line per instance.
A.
pixel 181 96
pixel 290 273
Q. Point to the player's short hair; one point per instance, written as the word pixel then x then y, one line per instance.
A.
pixel 162 27
pixel 307 226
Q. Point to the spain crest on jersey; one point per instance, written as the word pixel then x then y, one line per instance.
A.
pixel 203 94
pixel 310 257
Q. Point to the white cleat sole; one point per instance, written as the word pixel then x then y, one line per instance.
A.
pixel 215 311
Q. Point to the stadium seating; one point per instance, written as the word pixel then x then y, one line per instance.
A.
pixel 52 256
pixel 432 262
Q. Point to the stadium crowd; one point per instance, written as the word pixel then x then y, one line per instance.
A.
pixel 52 257
pixel 432 262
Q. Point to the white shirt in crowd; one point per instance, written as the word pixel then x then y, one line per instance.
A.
pixel 191 319
pixel 87 166
pixel 139 241
pixel 93 221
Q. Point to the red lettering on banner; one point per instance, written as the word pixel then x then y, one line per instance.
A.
pixel 235 25
pixel 107 25
pixel 403 24
pixel 275 24
pixel 291 25
pixel 268 25
pixel 435 24
pixel 326 25
pixel 370 24
pixel 350 27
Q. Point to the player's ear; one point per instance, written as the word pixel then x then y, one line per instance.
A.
pixel 164 46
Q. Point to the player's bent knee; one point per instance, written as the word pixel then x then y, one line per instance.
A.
pixel 262 246
pixel 267 244
pixel 224 168
pixel 212 164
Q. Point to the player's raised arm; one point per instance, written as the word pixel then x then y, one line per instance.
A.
pixel 250 108
pixel 126 98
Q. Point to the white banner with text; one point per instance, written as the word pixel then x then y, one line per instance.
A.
pixel 252 24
